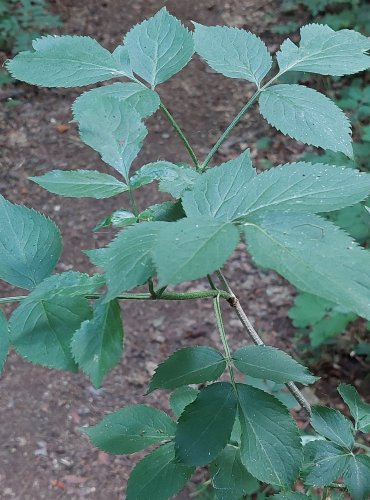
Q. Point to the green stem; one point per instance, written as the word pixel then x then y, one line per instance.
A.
pixel 132 201
pixel 221 329
pixel 181 134
pixel 363 446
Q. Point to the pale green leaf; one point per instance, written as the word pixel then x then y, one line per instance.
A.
pixel 189 365
pixel 192 248
pixel 114 129
pixel 270 441
pixel 325 51
pixel 267 362
pixel 360 410
pixel 131 429
pixel 357 477
pixel 308 116
pixel 326 462
pixel 159 47
pixel 205 426
pixel 158 476
pixel 30 245
pixel 233 52
pixel 145 101
pixel 333 425
pixel 97 346
pixel 120 54
pixel 314 255
pixel 4 340
pixel 181 398
pixel 80 183
pixel 65 61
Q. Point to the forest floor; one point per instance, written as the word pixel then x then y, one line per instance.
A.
pixel 43 455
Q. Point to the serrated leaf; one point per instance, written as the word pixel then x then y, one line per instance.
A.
pixel 204 427
pixel 333 425
pixel 114 129
pixel 325 51
pixel 174 179
pixel 4 340
pixel 233 52
pixel 329 327
pixel 119 218
pixel 144 101
pixel 158 476
pixel 131 429
pixel 80 183
pixel 314 255
pixel 181 398
pixel 189 365
pixel 167 211
pixel 308 116
pixel 127 261
pixel 326 462
pixel 360 410
pixel 192 248
pixel 159 47
pixel 356 478
pixel 120 54
pixel 98 344
pixel 64 61
pixel 270 442
pixel 30 245
pixel 229 477
pixel 219 192
pixel 267 362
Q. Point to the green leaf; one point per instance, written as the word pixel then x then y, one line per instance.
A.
pixel 30 245
pixel 174 179
pixel 167 211
pixel 204 427
pixel 360 410
pixel 159 47
pixel 230 478
pixel 267 362
pixel 189 365
pixel 97 345
pixel 220 191
pixel 131 429
pixel 144 101
pixel 233 52
pixel 270 441
pixel 329 327
pixel 333 425
pixel 308 116
pixel 158 476
pixel 120 54
pixel 326 462
pixel 314 255
pixel 119 218
pixel 80 183
pixel 4 340
pixel 114 129
pixel 308 309
pixel 181 398
pixel 290 495
pixel 127 260
pixel 64 61
pixel 356 478
pixel 192 248
pixel 324 51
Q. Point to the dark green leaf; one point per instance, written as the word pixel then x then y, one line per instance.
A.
pixel 158 476
pixel 270 363
pixel 205 425
pixel 30 245
pixel 189 365
pixel 357 477
pixel 4 340
pixel 360 410
pixel 290 495
pixel 97 345
pixel 181 398
pixel 270 442
pixel 68 284
pixel 167 211
pixel 119 218
pixel 333 425
pixel 326 462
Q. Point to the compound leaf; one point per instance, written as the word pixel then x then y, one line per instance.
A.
pixel 158 476
pixel 325 51
pixel 189 365
pixel 30 245
pixel 159 47
pixel 233 52
pixel 131 429
pixel 308 116
pixel 356 477
pixel 326 462
pixel 4 340
pixel 333 425
pixel 192 248
pixel 360 410
pixel 65 61
pixel 270 440
pixel 204 427
pixel 269 363
pixel 97 345
pixel 80 183
pixel 181 398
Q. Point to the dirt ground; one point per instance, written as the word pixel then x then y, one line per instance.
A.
pixel 42 454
